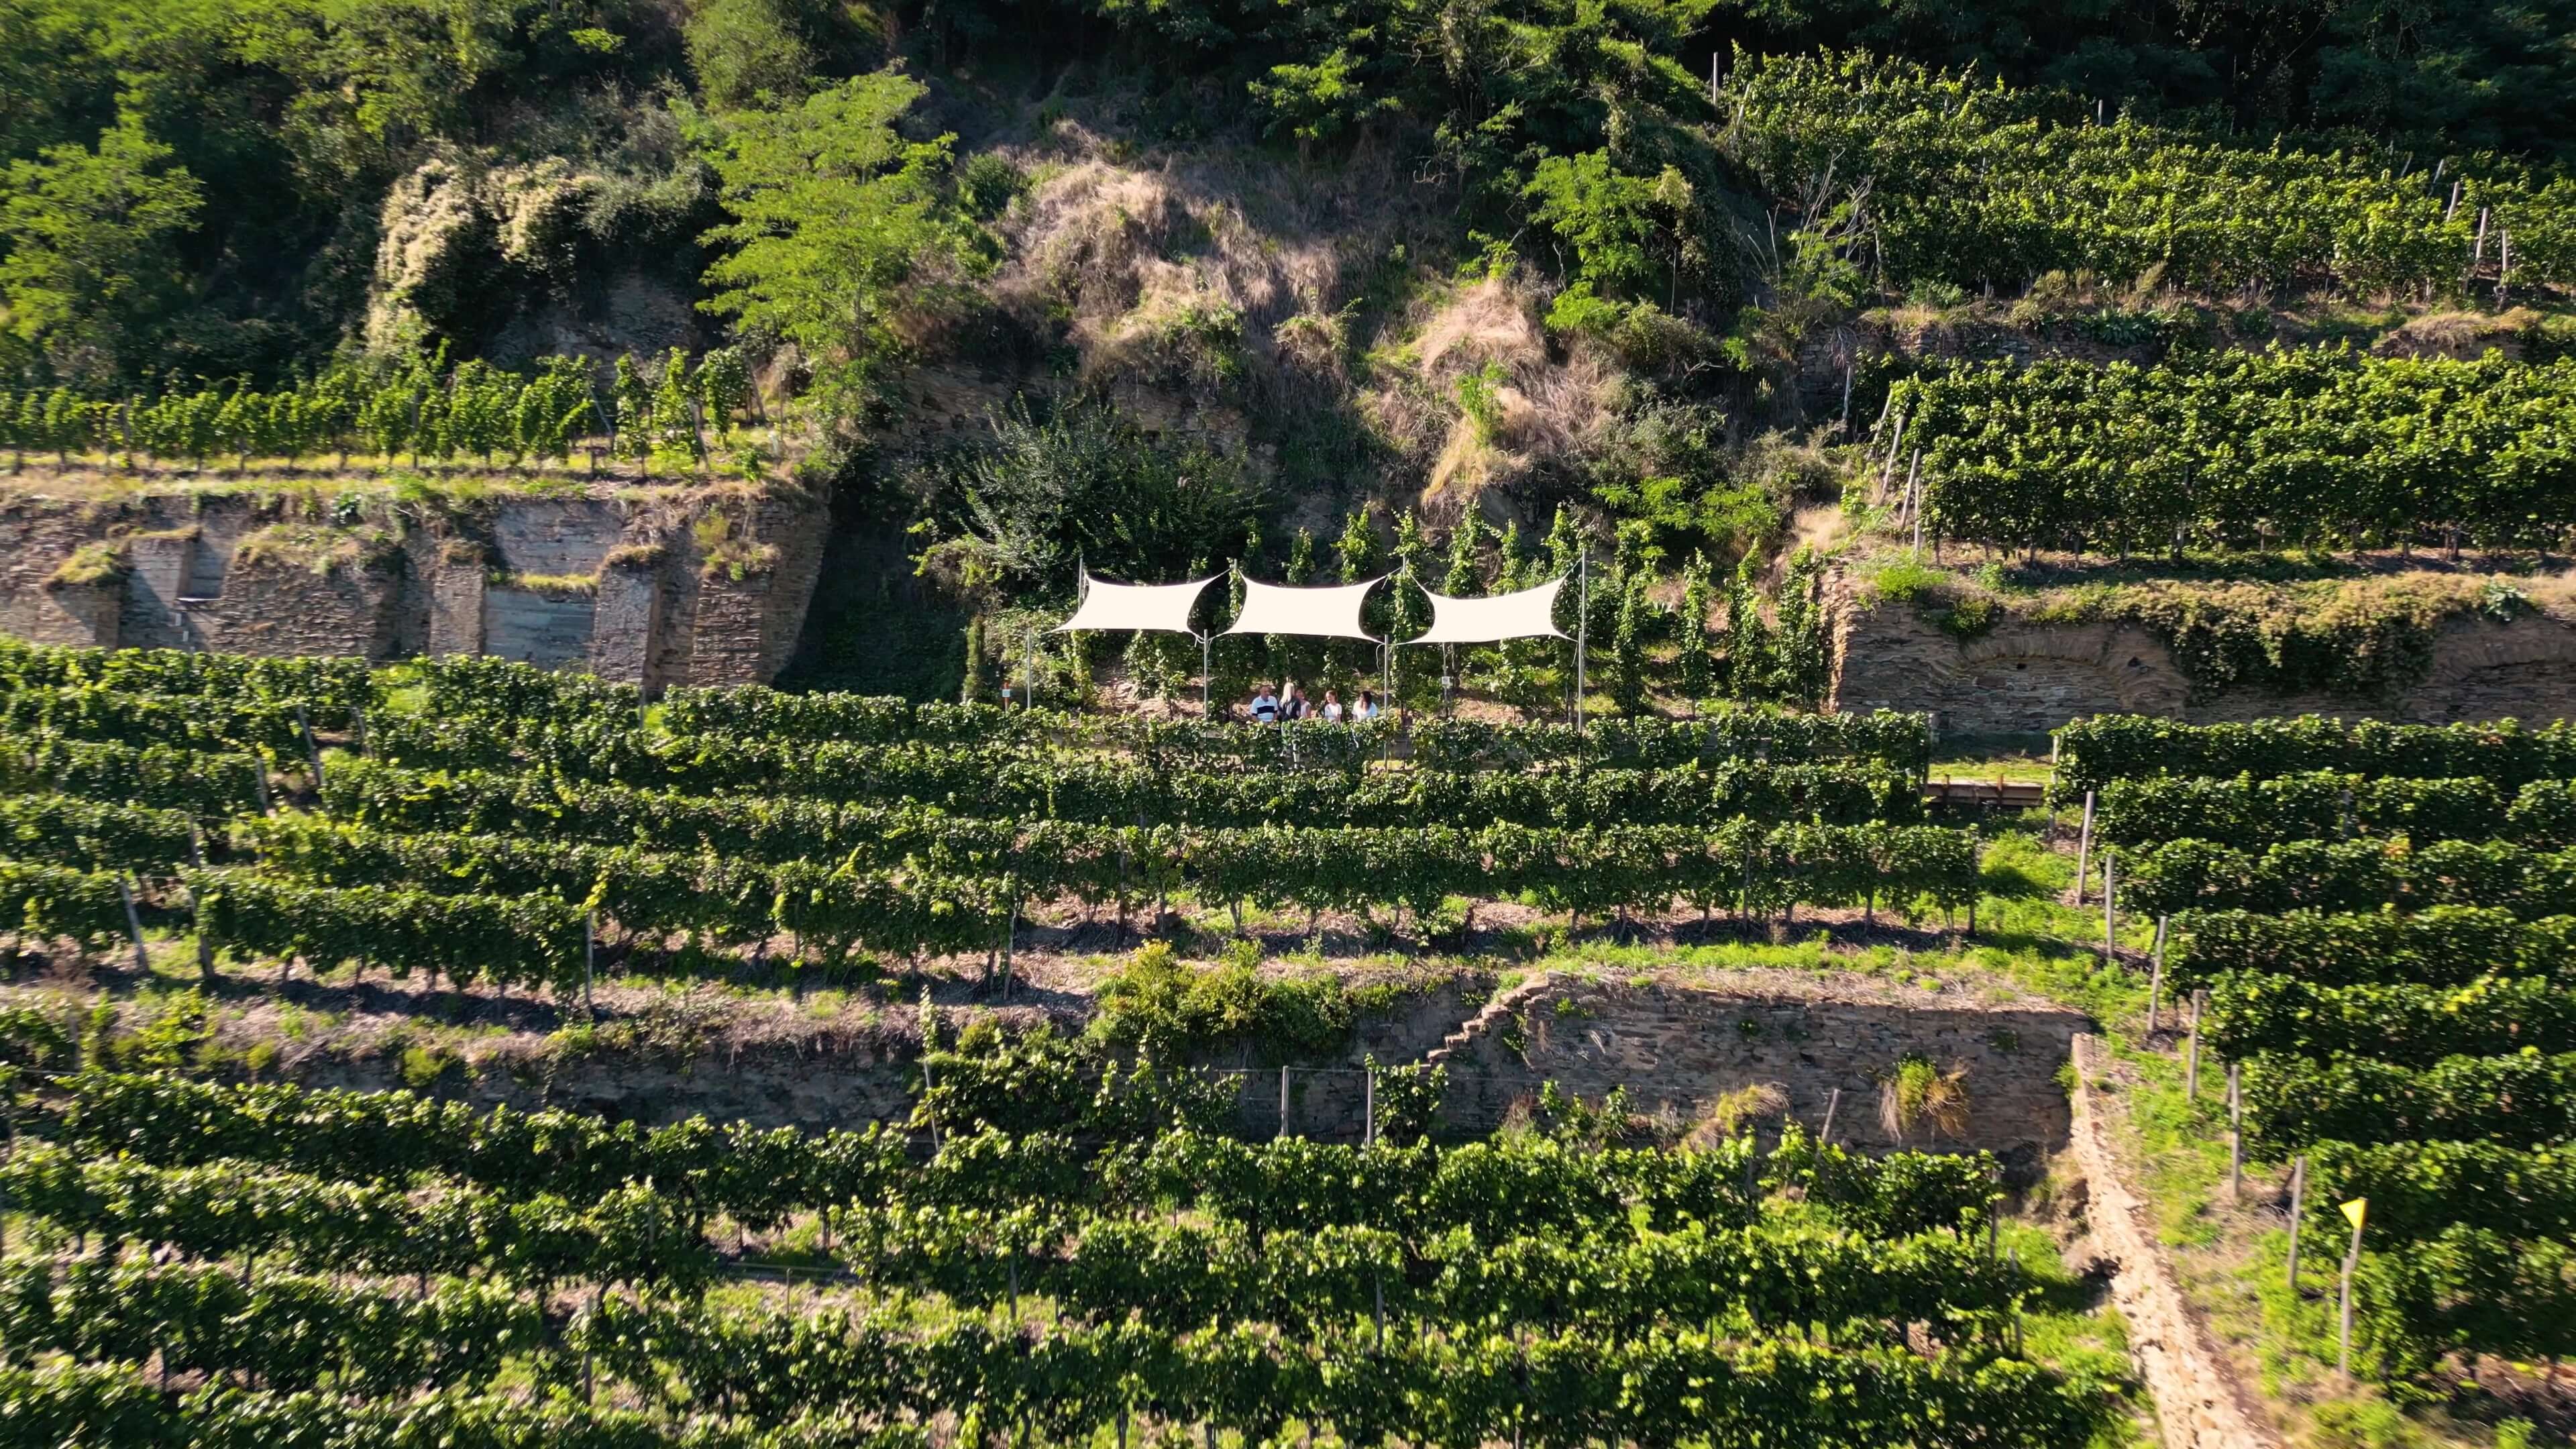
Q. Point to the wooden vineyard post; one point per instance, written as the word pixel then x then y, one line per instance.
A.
pixel 2156 977
pixel 1914 498
pixel 205 948
pixel 2191 1052
pixel 134 925
pixel 928 1046
pixel 2298 1196
pixel 2235 1135
pixel 2355 1210
pixel 2084 850
pixel 259 782
pixel 589 960
pixel 312 751
pixel 2110 904
pixel 1826 1134
pixel 1010 933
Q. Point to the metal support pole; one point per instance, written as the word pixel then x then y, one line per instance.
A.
pixel 589 960
pixel 2351 1261
pixel 1283 1101
pixel 1582 624
pixel 1368 1110
pixel 1206 672
pixel 1826 1135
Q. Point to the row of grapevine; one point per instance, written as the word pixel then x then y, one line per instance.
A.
pixel 1030 784
pixel 1968 181
pixel 2522 1099
pixel 1067 1384
pixel 99 713
pixel 1493 1190
pixel 66 830
pixel 51 901
pixel 419 407
pixel 1174 1277
pixel 2406 1024
pixel 2094 752
pixel 942 901
pixel 2351 875
pixel 632 1234
pixel 1901 741
pixel 2245 450
pixel 155 776
pixel 335 693
pixel 2438 947
pixel 2326 805
pixel 2399 1003
pixel 978 795
pixel 333 690
pixel 116 1403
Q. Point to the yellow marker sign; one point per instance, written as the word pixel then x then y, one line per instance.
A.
pixel 2355 1209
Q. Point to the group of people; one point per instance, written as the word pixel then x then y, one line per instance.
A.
pixel 1267 707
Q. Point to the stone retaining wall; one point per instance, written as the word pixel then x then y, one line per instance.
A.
pixel 1679 1047
pixel 633 593
pixel 1670 1045
pixel 2023 678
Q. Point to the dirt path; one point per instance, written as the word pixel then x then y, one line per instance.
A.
pixel 2198 1400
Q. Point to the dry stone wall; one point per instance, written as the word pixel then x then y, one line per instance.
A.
pixel 1678 1048
pixel 623 587
pixel 2025 678
pixel 1671 1045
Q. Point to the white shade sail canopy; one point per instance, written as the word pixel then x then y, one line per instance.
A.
pixel 1135 606
pixel 1328 613
pixel 1524 614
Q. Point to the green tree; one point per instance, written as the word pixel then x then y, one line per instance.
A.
pixel 1356 553
pixel 1317 103
pixel 87 238
pixel 1632 630
pixel 1465 576
pixel 1745 645
pixel 1615 221
pixel 839 224
pixel 747 52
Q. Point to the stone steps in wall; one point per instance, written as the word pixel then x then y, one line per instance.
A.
pixel 1507 1004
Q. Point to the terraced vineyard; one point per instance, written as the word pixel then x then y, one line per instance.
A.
pixel 1038 1252
pixel 385 1265
pixel 485 833
pixel 2382 918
